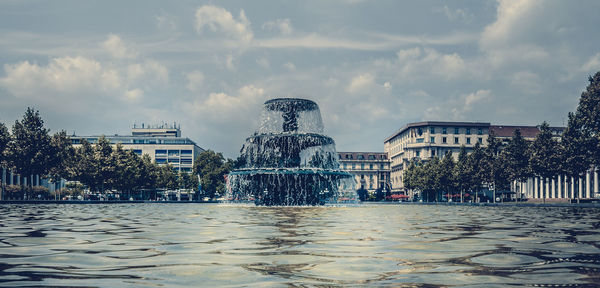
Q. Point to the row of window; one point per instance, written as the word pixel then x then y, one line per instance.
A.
pixel 362 157
pixel 174 161
pixel 456 140
pixel 171 153
pixel 362 166
pixel 456 130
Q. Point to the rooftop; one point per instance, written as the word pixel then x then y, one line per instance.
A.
pixel 437 123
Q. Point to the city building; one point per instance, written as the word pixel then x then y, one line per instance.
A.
pixel 163 143
pixel 423 140
pixel 371 170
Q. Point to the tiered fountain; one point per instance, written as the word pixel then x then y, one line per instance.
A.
pixel 289 161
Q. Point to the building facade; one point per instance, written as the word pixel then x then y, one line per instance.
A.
pixel 163 144
pixel 371 170
pixel 424 140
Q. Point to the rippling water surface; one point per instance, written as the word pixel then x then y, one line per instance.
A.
pixel 223 245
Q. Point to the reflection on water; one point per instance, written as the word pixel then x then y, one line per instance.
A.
pixel 219 245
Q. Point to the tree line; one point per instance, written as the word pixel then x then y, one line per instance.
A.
pixel 29 151
pixel 497 166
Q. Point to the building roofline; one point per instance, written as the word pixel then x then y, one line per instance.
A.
pixel 434 123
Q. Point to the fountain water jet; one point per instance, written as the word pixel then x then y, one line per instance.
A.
pixel 289 161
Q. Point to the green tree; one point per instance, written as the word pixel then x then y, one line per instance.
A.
pixel 212 167
pixel 446 174
pixel 166 177
pixel 588 118
pixel 29 150
pixel 104 164
pixel 4 139
pixel 463 172
pixel 545 159
pixel 575 158
pixel 61 156
pixel 476 160
pixel 84 169
pixel 516 157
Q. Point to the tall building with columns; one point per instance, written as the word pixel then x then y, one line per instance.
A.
pixel 424 140
pixel 371 170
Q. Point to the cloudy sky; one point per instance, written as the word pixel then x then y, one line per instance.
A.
pixel 98 67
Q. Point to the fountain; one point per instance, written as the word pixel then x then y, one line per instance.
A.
pixel 289 161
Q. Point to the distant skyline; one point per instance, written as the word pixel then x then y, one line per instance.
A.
pixel 98 67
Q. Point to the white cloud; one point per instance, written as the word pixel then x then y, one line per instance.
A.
pixel 474 98
pixel 387 86
pixel 263 62
pixel 527 82
pixel 592 64
pixel 224 108
pixel 361 83
pixel 219 20
pixel 117 48
pixel 284 26
pixel 195 80
pixel 290 66
pixel 66 74
pixel 458 14
pixel 417 62
pixel 134 95
pixel 166 23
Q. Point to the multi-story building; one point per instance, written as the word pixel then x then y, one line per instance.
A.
pixel 423 140
pixel 371 170
pixel 163 144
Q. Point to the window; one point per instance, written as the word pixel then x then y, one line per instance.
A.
pixel 186 161
pixel 432 140
pixel 480 140
pixel 353 166
pixel 160 152
pixel 371 177
pixel 444 140
pixel 479 131
pixel 345 166
pixel 382 167
pixel 362 166
pixel 418 153
pixel 161 160
pixel 362 176
pixel 420 140
pixel 456 130
pixel 420 131
pixel 361 157
pixel 173 153
pixel 137 151
pixel 468 140
pixel 186 152
pixel 371 157
pixel 370 185
pixel 432 153
pixel 432 130
pixel 444 130
pixel 370 166
pixel 455 140
pixel 468 131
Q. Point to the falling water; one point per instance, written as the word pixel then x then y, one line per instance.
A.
pixel 289 161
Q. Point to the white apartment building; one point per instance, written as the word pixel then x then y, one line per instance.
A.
pixel 427 139
pixel 162 143
pixel 371 170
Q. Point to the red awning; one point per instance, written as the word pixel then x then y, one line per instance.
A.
pixel 398 196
